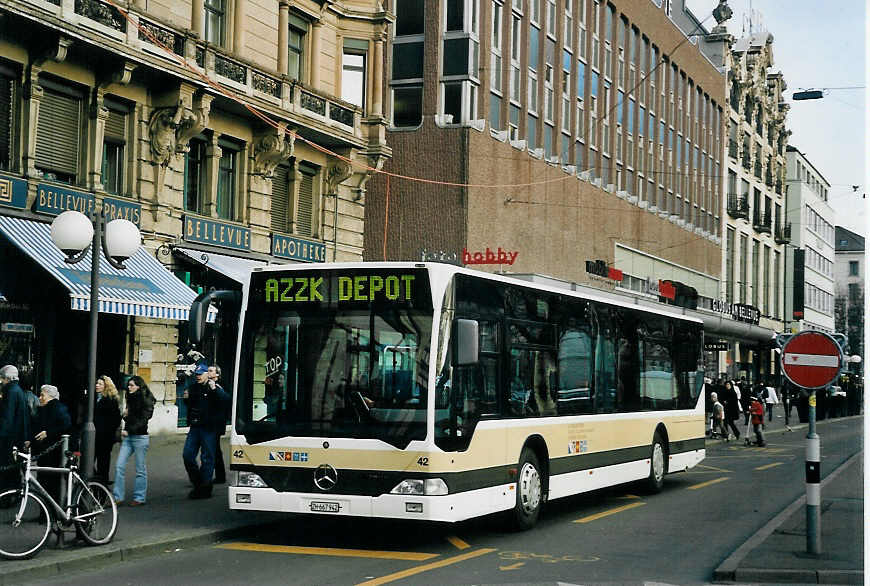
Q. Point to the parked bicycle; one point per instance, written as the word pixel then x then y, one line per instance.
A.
pixel 29 514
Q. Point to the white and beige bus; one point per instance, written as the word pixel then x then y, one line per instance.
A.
pixel 430 391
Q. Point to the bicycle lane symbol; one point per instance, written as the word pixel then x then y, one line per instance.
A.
pixel 517 559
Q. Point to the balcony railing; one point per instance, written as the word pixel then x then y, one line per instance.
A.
pixel 761 222
pixel 738 206
pixel 782 235
pixel 101 13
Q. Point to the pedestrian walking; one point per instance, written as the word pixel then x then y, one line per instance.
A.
pixel 53 421
pixel 770 399
pixel 732 407
pixel 757 411
pixel 14 423
pixel 205 400
pixel 138 409
pixel 718 420
pixel 220 471
pixel 107 423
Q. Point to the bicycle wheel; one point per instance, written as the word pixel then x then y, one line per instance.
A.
pixel 96 513
pixel 24 539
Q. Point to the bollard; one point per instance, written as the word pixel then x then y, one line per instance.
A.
pixel 813 477
pixel 64 446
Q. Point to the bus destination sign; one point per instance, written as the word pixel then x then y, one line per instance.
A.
pixel 340 288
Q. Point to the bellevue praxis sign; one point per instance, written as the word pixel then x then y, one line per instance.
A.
pixel 54 200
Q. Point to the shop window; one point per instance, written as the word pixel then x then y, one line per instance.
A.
pixel 194 176
pixel 353 72
pixel 114 143
pixel 7 101
pixel 227 187
pixel 58 132
pixel 215 21
pixel 296 47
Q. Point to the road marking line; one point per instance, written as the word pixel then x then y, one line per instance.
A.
pixel 767 466
pixel 708 483
pixel 628 497
pixel 714 468
pixel 330 551
pixel 603 514
pixel 426 567
pixel 512 566
pixel 457 543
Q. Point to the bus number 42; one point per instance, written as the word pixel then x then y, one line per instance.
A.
pixel 423 461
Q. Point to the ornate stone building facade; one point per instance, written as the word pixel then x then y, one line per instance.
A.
pixel 755 231
pixel 233 132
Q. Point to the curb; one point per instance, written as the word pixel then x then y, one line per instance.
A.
pixel 87 558
pixel 729 570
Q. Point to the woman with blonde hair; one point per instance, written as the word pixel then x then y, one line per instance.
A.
pixel 107 421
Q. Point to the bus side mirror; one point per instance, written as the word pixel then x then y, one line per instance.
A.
pixel 199 310
pixel 466 340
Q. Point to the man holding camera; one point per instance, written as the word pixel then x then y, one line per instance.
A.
pixel 205 409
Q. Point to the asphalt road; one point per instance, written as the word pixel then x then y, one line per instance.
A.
pixel 616 535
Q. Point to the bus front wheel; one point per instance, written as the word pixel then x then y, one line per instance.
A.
pixel 658 464
pixel 529 491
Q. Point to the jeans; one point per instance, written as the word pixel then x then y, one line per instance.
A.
pixel 138 446
pixel 204 441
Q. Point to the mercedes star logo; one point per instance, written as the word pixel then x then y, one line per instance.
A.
pixel 325 477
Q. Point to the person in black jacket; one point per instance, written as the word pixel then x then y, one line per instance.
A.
pixel 139 407
pixel 107 421
pixel 205 409
pixel 14 422
pixel 52 421
pixel 220 471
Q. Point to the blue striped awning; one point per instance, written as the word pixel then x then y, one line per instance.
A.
pixel 146 288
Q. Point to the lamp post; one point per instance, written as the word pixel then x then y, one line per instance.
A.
pixel 73 232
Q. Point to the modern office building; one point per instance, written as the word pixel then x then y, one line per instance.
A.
pixel 225 129
pixel 810 262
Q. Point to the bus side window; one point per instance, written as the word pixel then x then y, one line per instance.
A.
pixel 574 394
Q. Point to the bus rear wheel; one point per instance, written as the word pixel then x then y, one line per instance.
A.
pixel 658 464
pixel 530 491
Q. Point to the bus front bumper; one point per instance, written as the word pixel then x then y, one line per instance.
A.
pixel 447 508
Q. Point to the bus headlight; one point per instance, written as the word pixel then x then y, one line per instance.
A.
pixel 250 480
pixel 429 487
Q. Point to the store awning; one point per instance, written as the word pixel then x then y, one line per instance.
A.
pixel 233 267
pixel 146 288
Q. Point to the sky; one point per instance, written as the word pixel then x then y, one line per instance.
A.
pixel 817 45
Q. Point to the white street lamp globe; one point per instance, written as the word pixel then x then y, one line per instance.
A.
pixel 855 358
pixel 122 239
pixel 72 232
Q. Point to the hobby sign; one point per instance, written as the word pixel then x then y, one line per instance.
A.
pixel 811 360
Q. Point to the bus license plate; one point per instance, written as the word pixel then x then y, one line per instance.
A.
pixel 325 507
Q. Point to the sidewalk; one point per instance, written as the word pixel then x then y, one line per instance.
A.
pixel 777 552
pixel 168 521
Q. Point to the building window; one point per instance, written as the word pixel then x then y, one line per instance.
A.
pixel 353 72
pixel 495 67
pixel 194 176
pixel 282 207
pixel 853 268
pixel 407 71
pixel 461 47
pixel 296 47
pixel 306 199
pixel 227 187
pixel 215 21
pixel 114 141
pixel 7 116
pixel 776 285
pixel 744 268
pixel 58 133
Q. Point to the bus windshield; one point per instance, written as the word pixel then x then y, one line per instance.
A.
pixel 340 366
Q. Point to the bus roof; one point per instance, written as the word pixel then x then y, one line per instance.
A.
pixel 575 290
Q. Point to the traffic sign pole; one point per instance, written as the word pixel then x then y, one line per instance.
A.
pixel 812 360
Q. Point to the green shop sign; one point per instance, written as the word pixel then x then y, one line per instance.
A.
pixel 216 233
pixel 13 192
pixel 298 249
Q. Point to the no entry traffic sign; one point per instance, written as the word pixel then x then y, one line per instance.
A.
pixel 811 360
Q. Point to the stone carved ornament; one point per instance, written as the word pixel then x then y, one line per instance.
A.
pixel 271 149
pixel 338 172
pixel 172 128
